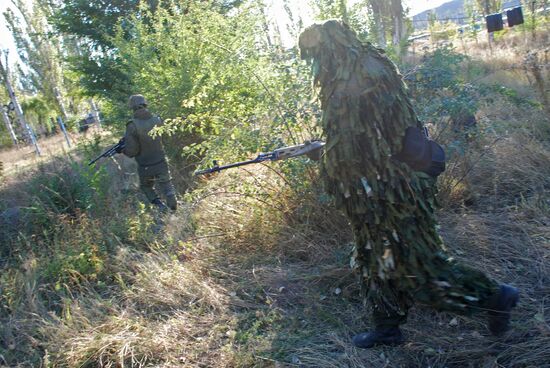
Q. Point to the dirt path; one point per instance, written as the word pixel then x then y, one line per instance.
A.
pixel 20 159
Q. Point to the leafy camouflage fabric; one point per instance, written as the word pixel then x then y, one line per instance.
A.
pixel 366 110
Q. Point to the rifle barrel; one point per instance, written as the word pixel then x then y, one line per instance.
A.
pixel 110 152
pixel 229 166
pixel 278 154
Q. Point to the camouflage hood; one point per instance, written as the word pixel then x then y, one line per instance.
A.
pixel 366 110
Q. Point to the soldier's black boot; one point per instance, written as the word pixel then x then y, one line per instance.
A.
pixel 500 306
pixel 172 202
pixel 380 336
pixel 158 203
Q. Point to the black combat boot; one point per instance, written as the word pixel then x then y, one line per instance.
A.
pixel 158 203
pixel 380 336
pixel 172 202
pixel 500 306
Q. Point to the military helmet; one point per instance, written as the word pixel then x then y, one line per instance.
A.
pixel 136 102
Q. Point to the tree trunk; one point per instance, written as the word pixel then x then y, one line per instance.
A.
pixel 18 111
pixel 398 23
pixel 378 21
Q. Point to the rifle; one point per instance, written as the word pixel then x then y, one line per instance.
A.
pixel 110 152
pixel 279 154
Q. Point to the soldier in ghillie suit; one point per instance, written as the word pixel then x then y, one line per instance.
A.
pixel 149 154
pixel 386 189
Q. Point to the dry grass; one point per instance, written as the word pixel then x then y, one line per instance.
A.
pixel 267 285
pixel 165 316
pixel 314 299
pixel 17 160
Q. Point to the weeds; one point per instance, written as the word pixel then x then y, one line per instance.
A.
pixel 537 66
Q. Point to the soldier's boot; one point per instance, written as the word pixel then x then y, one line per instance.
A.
pixel 500 306
pixel 380 336
pixel 158 203
pixel 172 202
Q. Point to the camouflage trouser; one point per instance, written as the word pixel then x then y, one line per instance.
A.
pixel 163 183
pixel 160 179
pixel 460 289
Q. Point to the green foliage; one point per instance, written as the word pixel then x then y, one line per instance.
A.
pixel 442 31
pixel 141 227
pixel 386 22
pixel 441 89
pixel 94 23
pixel 471 15
pixel 489 6
pixel 256 325
pixel 78 254
pixel 40 53
pixel 328 9
pixel 511 95
pixel 204 74
pixel 5 138
pixel 534 19
pixel 38 111
pixel 97 24
pixel 71 190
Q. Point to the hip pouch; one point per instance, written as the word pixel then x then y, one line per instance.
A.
pixel 421 153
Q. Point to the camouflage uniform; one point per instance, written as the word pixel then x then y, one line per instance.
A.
pixel 149 153
pixel 398 253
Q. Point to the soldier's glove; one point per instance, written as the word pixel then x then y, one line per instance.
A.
pixel 120 146
pixel 314 155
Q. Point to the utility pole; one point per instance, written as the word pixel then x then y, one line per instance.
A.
pixel 533 6
pixel 17 107
pixel 60 103
pixel 62 126
pixel 490 35
pixel 8 125
pixel 95 112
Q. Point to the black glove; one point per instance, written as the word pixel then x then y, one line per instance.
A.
pixel 120 146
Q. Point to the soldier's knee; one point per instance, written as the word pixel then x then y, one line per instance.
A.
pixel 146 182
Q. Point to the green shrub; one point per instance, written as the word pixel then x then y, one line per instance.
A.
pixel 78 254
pixel 69 189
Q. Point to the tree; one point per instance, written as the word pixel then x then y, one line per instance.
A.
pixel 487 7
pixel 397 15
pixel 328 9
pixel 387 22
pixel 37 49
pixel 471 15
pixel 530 10
pixel 94 23
pixel 378 28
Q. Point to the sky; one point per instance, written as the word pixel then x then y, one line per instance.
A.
pixel 415 6
pixel 6 39
pixel 418 6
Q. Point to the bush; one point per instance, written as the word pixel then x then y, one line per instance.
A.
pixel 440 89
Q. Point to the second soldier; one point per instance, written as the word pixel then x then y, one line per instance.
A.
pixel 149 153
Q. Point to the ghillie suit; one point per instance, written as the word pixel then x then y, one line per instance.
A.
pixel 398 251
